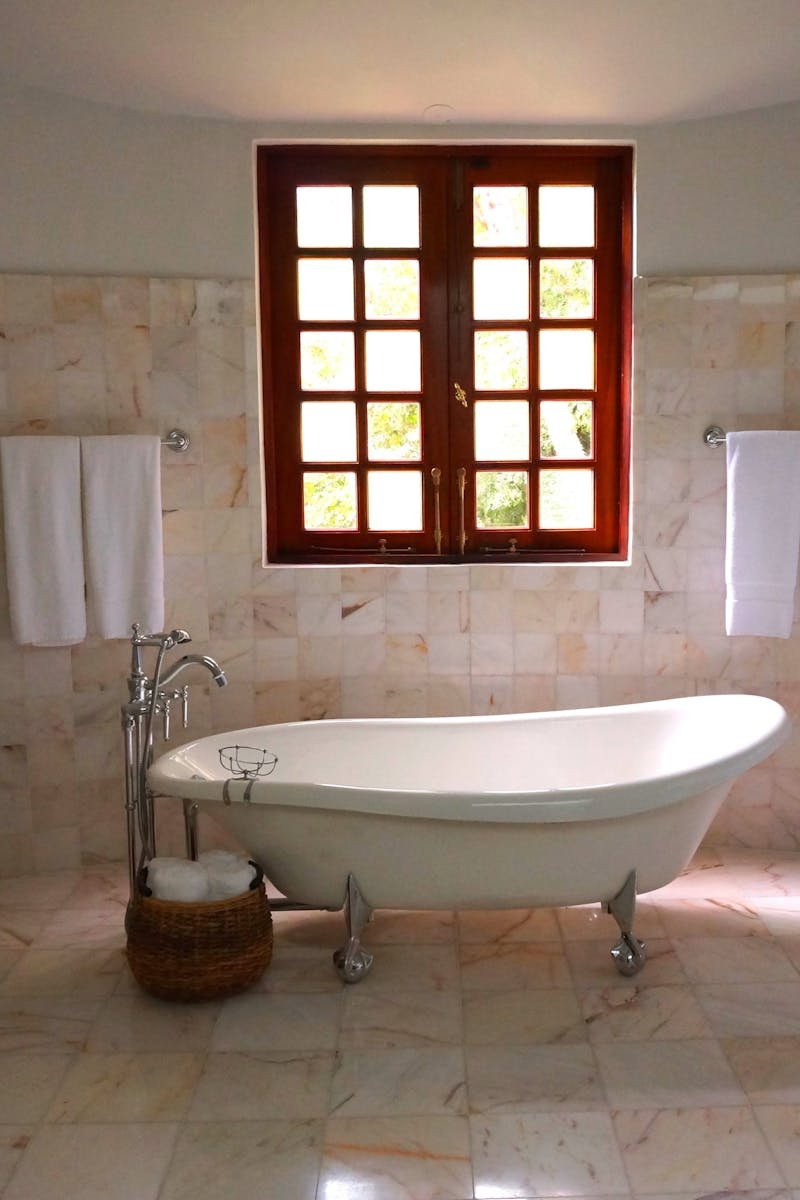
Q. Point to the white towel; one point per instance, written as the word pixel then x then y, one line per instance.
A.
pixel 177 879
pixel 123 532
pixel 228 874
pixel 763 532
pixel 44 547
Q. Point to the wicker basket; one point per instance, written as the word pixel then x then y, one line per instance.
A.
pixel 200 951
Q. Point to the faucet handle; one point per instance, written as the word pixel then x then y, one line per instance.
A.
pixel 165 717
pixel 185 706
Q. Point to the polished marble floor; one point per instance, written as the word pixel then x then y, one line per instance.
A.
pixel 488 1055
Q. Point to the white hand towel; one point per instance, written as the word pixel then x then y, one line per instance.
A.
pixel 182 880
pixel 123 531
pixel 763 532
pixel 44 544
pixel 228 874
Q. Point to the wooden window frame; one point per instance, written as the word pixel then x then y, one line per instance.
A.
pixel 445 174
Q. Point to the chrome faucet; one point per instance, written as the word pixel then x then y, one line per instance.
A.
pixel 149 696
pixel 202 660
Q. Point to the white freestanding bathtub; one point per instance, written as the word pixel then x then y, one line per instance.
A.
pixel 535 809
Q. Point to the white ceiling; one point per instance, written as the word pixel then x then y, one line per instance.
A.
pixel 598 62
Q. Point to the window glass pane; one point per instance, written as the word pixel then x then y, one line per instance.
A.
pixel 501 289
pixel 566 499
pixel 328 431
pixel 393 430
pixel 325 289
pixel 502 430
pixel 393 360
pixel 391 215
pixel 327 361
pixel 566 358
pixel 501 499
pixel 501 360
pixel 565 429
pixel 566 287
pixel 566 215
pixel 500 216
pixel 329 500
pixel 324 216
pixel 391 287
pixel 394 499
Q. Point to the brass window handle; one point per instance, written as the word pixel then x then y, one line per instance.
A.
pixel 460 395
pixel 461 475
pixel 436 476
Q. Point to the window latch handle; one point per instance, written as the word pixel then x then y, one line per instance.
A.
pixel 460 395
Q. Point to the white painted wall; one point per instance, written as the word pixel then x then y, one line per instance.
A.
pixel 91 189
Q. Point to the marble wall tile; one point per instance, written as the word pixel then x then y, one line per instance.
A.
pixel 82 354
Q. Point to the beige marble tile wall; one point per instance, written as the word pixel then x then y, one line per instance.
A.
pixel 96 355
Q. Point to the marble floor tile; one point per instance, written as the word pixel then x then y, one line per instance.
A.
pixel 14 1140
pixel 592 965
pixel 68 972
pixel 405 1082
pixel 507 965
pixel 93 1162
pixel 545 1154
pixel 690 1074
pixel 372 1020
pixel 255 1021
pixel 29 1083
pixel 512 925
pixel 396 1158
pixel 638 1013
pixel 781 1126
pixel 46 1024
pixel 126 1087
pixel 141 1024
pixel 734 960
pixel 525 1079
pixel 399 968
pixel 691 1150
pixel 522 1017
pixel 768 1068
pixel 245 1159
pixel 263 1085
pixel 751 1009
pixel 487 1056
pixel 710 918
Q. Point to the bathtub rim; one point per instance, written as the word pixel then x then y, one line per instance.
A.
pixel 168 777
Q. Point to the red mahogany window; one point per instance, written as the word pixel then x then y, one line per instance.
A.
pixel 445 337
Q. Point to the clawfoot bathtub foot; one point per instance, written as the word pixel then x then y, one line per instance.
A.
pixel 352 961
pixel 629 953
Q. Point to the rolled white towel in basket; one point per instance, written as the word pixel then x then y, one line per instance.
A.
pixel 178 879
pixel 228 874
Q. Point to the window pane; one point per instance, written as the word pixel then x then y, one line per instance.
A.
pixel 329 500
pixel 566 216
pixel 391 287
pixel 501 289
pixel 501 499
pixel 565 429
pixel 325 289
pixel 394 499
pixel 566 287
pixel 324 216
pixel 502 430
pixel 393 361
pixel 566 499
pixel 393 430
pixel 500 216
pixel 501 360
pixel 391 215
pixel 328 431
pixel 327 362
pixel 566 358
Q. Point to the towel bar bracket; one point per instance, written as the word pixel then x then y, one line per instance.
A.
pixel 177 440
pixel 714 436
